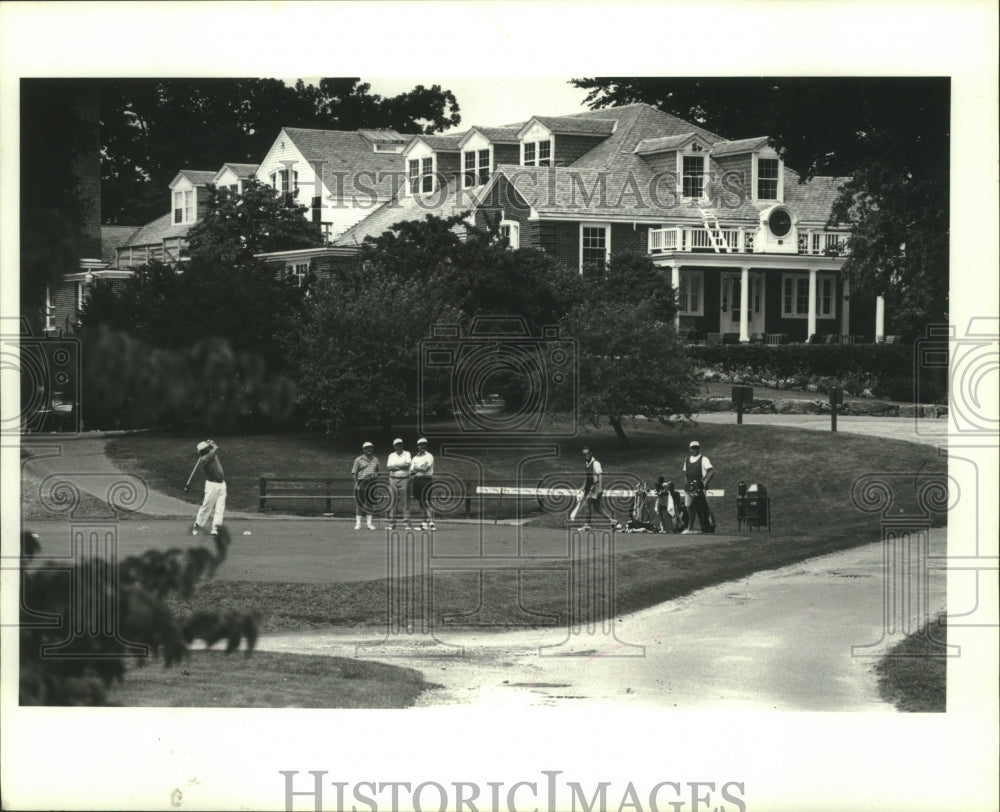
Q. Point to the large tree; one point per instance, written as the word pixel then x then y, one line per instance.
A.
pixel 890 135
pixel 357 349
pixel 151 128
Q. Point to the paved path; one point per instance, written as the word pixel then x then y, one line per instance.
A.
pixel 926 431
pixel 775 640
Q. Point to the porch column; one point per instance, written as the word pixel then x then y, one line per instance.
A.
pixel 845 317
pixel 675 282
pixel 811 327
pixel 745 305
pixel 879 319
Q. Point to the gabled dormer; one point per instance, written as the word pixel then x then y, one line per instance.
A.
pixel 483 148
pixel 189 196
pixel 685 156
pixel 758 163
pixel 559 141
pixel 234 177
pixel 431 161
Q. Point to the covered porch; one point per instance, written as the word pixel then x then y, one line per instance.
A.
pixel 762 298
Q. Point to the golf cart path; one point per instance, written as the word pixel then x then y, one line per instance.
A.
pixel 802 638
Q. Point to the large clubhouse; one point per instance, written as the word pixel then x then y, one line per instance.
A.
pixel 750 249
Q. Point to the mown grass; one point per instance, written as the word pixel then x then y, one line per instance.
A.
pixel 265 679
pixel 804 471
pixel 809 476
pixel 913 674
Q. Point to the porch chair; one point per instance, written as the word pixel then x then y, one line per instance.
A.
pixel 847 339
pixel 730 338
pixel 774 339
pixel 715 339
pixel 832 338
pixel 757 338
pixel 814 339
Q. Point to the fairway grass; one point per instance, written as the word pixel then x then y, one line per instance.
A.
pixel 214 679
pixel 809 477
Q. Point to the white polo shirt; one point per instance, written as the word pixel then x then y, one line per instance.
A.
pixel 398 465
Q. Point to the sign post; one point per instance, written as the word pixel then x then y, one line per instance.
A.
pixel 836 398
pixel 742 396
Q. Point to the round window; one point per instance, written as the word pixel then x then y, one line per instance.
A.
pixel 780 222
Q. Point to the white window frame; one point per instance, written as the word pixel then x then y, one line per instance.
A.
pixel 50 311
pixel 513 233
pixel 689 280
pixel 184 204
pixel 607 240
pixel 755 179
pixel 482 162
pixel 300 270
pixel 422 174
pixel 704 172
pixel 825 281
pixel 536 145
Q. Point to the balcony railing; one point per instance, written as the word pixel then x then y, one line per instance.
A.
pixel 739 241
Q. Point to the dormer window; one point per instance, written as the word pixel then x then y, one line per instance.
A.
pixel 767 178
pixel 184 207
pixel 421 175
pixel 476 166
pixel 537 153
pixel 693 176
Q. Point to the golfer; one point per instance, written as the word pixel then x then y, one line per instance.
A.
pixel 365 472
pixel 592 489
pixel 698 473
pixel 398 466
pixel 214 503
pixel 422 473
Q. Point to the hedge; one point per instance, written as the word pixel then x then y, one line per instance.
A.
pixel 885 370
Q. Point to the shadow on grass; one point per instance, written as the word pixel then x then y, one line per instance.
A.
pixel 913 674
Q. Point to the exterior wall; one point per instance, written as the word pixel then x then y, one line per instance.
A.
pixel 343 206
pixel 449 165
pixel 201 206
pixel 739 164
pixel 572 147
pixel 561 240
pixel 506 154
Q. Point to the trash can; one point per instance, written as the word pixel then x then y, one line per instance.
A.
pixel 758 506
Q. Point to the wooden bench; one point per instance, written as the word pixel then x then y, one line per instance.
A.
pixel 325 488
pixel 305 487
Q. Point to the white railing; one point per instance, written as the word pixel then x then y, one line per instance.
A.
pixel 696 239
pixel 740 241
pixel 823 243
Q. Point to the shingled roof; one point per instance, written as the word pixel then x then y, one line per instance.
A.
pixel 736 147
pixel 198 177
pixel 241 170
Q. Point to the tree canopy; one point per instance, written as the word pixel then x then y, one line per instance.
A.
pixel 357 348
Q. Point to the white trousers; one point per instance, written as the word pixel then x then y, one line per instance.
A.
pixel 214 504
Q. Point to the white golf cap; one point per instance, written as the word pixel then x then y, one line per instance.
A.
pixel 694 444
pixel 422 441
pixel 203 446
pixel 367 445
pixel 398 441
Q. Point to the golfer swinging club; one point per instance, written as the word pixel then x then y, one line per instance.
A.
pixel 214 503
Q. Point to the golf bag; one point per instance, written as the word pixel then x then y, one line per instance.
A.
pixel 640 510
pixel 699 507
